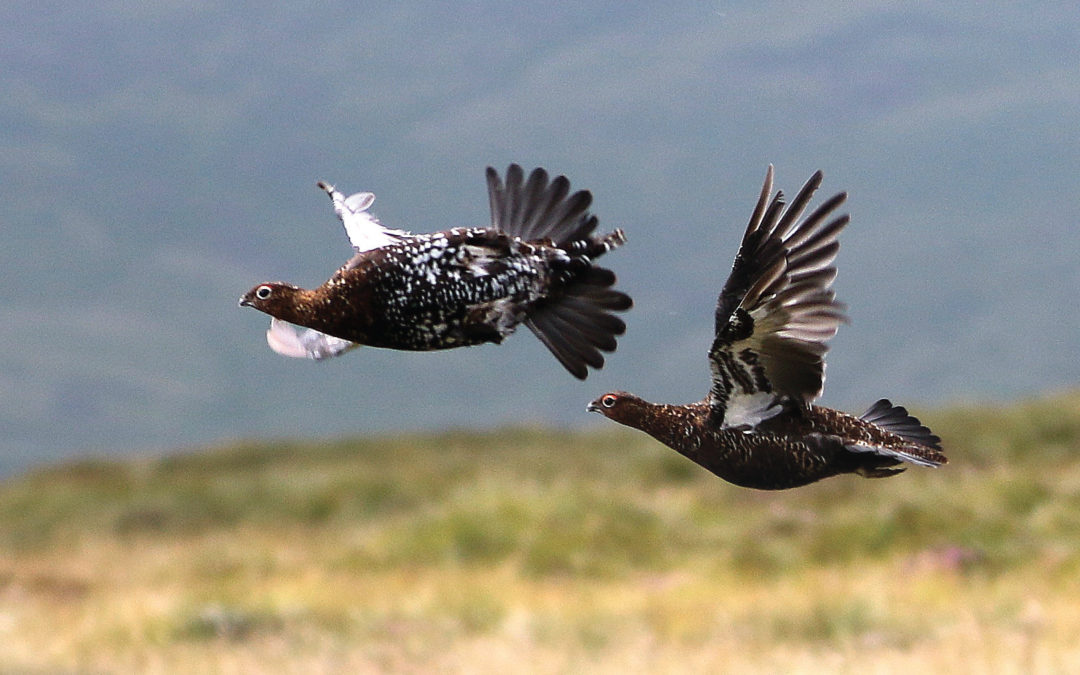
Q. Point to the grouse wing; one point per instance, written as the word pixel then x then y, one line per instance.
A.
pixel 777 309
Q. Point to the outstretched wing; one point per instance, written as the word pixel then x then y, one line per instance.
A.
pixel 364 230
pixel 538 208
pixel 285 339
pixel 777 308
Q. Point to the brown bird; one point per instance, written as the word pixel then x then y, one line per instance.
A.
pixel 758 426
pixel 463 286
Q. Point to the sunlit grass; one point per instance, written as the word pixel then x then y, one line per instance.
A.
pixel 548 551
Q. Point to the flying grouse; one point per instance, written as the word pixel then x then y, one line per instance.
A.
pixel 758 426
pixel 463 286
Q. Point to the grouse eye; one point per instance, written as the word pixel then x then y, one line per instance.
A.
pixel 608 401
pixel 262 292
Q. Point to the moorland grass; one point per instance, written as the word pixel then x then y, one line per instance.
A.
pixel 549 551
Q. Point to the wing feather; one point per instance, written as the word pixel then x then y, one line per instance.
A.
pixel 285 339
pixel 364 230
pixel 536 209
pixel 777 309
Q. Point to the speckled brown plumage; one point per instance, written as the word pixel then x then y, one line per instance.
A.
pixel 467 286
pixel 758 426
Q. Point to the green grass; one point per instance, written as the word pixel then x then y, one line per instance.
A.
pixel 549 551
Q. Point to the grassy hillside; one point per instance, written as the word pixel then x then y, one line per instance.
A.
pixel 545 551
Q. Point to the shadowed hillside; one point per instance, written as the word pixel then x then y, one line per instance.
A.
pixel 550 550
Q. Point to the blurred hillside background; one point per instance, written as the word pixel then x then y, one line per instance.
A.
pixel 547 551
pixel 158 159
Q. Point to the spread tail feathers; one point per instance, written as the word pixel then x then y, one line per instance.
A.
pixel 575 322
pixel 922 446
pixel 577 325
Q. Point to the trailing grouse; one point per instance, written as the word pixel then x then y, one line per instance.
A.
pixel 758 426
pixel 463 286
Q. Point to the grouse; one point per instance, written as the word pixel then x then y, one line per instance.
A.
pixel 463 286
pixel 758 426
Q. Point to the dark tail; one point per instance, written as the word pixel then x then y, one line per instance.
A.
pixel 576 322
pixel 921 445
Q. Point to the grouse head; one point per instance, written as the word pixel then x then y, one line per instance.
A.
pixel 620 406
pixel 276 299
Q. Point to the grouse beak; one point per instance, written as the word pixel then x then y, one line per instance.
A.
pixel 244 302
pixel 592 407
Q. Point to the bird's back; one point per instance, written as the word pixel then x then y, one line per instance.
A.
pixel 795 447
pixel 804 445
pixel 448 289
pixel 463 286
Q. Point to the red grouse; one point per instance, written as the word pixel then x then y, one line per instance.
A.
pixel 463 286
pixel 758 426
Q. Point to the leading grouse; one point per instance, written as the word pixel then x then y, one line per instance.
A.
pixel 758 426
pixel 463 286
